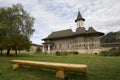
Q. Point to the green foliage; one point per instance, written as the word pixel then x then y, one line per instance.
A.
pixel 63 53
pixel 111 52
pixel 38 49
pixel 111 37
pixel 16 26
pixel 75 52
pixel 57 53
pixel 16 20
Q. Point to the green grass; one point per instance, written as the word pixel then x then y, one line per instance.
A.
pixel 99 67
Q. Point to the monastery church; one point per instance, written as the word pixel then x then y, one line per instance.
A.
pixel 82 40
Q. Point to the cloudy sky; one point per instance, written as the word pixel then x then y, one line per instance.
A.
pixel 54 15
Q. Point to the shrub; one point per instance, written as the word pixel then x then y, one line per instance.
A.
pixel 95 53
pixel 38 49
pixel 114 52
pixel 104 53
pixel 75 52
pixel 111 52
pixel 65 53
pixel 62 53
pixel 57 53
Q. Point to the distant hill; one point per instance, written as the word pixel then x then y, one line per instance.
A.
pixel 111 37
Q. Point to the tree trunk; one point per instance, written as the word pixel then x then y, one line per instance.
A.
pixel 1 51
pixel 16 52
pixel 8 52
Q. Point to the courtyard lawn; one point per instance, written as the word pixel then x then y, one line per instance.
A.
pixel 99 67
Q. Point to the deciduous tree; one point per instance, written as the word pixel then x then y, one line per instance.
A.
pixel 17 25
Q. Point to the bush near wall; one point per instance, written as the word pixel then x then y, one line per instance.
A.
pixel 75 52
pixel 38 49
pixel 65 53
pixel 111 52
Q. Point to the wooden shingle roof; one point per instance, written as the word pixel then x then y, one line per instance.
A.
pixel 69 33
pixel 91 29
pixel 60 34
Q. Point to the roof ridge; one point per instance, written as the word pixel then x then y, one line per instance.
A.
pixel 91 29
pixel 63 30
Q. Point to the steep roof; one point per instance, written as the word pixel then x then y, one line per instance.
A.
pixel 91 29
pixel 79 17
pixel 81 31
pixel 60 34
pixel 69 33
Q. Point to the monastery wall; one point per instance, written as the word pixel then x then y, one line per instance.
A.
pixel 80 44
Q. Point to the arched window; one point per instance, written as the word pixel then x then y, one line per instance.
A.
pixel 79 45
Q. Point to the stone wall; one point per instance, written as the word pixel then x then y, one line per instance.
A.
pixel 80 44
pixel 62 45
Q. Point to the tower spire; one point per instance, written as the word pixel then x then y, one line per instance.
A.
pixel 79 20
pixel 79 17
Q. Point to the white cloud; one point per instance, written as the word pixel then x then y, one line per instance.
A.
pixel 53 15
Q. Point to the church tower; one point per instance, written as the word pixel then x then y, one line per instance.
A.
pixel 79 20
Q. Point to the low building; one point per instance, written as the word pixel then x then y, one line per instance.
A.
pixel 108 46
pixel 34 47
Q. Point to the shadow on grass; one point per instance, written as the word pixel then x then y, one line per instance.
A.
pixel 14 55
pixel 49 74
pixel 75 76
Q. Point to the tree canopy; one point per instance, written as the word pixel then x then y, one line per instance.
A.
pixel 16 27
pixel 111 37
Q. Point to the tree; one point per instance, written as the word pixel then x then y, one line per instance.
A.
pixel 111 37
pixel 0 41
pixel 2 34
pixel 38 49
pixel 18 26
pixel 16 42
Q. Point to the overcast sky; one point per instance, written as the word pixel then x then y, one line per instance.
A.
pixel 54 15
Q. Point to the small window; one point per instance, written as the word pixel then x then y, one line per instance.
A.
pixel 79 45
